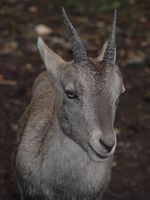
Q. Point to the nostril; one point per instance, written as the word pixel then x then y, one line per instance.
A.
pixel 106 145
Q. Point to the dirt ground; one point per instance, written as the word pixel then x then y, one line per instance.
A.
pixel 20 63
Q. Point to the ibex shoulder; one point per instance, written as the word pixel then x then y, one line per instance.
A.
pixel 42 84
pixel 41 107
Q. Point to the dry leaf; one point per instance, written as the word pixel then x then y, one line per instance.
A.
pixel 42 29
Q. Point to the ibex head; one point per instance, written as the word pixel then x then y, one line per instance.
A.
pixel 88 93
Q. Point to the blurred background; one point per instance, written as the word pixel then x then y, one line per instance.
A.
pixel 20 23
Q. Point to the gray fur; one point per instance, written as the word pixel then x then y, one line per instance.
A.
pixel 66 145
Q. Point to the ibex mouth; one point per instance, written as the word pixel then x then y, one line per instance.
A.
pixel 98 154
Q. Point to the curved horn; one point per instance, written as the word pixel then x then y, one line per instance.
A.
pixel 110 53
pixel 79 53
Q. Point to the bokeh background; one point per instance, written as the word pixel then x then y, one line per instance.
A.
pixel 20 23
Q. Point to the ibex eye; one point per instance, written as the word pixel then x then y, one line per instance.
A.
pixel 71 94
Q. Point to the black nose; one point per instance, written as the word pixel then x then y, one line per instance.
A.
pixel 107 145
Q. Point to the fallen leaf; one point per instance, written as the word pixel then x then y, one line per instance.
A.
pixel 33 9
pixel 9 47
pixel 42 29
pixel 1 77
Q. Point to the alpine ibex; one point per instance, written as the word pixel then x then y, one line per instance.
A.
pixel 67 140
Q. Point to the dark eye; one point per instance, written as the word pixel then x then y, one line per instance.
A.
pixel 71 94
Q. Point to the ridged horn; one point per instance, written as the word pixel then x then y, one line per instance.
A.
pixel 110 53
pixel 79 53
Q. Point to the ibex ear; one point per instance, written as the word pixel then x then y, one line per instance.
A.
pixel 51 60
pixel 102 53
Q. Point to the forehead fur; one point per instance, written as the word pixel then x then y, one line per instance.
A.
pixel 93 73
pixel 88 70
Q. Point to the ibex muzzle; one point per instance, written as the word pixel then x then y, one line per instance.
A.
pixel 66 134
